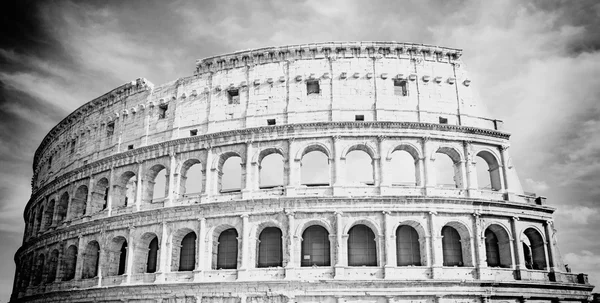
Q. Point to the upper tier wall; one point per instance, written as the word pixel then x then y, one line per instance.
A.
pixel 272 86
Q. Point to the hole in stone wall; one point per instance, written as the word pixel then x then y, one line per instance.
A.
pixel 110 128
pixel 359 117
pixel 130 147
pixel 162 111
pixel 270 121
pixel 193 132
pixel 400 88
pixel 233 96
pixel 443 120
pixel 312 87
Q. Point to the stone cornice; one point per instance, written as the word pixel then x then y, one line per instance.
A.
pixel 207 140
pixel 125 90
pixel 321 50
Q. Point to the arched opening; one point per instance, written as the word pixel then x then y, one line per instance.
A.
pixel 187 254
pixel 125 190
pixel 116 256
pixel 362 248
pixel 156 184
pixel 38 219
pixel 451 247
pixel 404 172
pixel 70 262
pixel 39 269
pixel 78 203
pixel 63 206
pixel 534 244
pixel 270 251
pixel 488 171
pixel 52 266
pixel 408 249
pixel 445 171
pixel 152 256
pixel 497 247
pixel 315 247
pixel 91 258
pixel 227 249
pixel 231 178
pixel 315 168
pixel 359 168
pixel 191 178
pixel 26 267
pixel 271 171
pixel 99 200
pixel 48 216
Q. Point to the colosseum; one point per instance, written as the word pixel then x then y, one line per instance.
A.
pixel 303 173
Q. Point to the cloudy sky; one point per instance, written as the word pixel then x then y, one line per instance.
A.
pixel 536 65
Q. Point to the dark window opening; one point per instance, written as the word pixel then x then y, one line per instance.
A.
pixel 443 120
pixel 270 121
pixel 359 117
pixel 408 248
pixel 73 145
pixel 187 255
pixel 162 111
pixel 492 249
pixel 227 250
pixel 50 162
pixel 193 132
pixel 362 248
pixel 105 199
pixel 152 255
pixel 315 247
pixel 269 248
pixel 233 96
pixel 312 87
pixel 129 147
pixel 451 246
pixel 110 129
pixel 122 259
pixel 400 88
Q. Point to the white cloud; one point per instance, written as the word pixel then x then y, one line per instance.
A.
pixel 536 186
pixel 577 214
pixel 586 262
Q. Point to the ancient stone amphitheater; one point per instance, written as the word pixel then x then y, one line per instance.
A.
pixel 318 177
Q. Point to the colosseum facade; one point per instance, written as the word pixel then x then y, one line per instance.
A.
pixel 322 230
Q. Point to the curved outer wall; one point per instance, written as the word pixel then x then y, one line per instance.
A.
pixel 92 223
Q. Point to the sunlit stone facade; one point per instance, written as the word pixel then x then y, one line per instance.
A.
pixel 324 231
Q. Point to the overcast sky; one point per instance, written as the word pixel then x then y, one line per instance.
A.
pixel 536 65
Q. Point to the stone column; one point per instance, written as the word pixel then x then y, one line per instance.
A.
pixel 378 163
pixel 518 248
pixel 80 257
pixel 201 249
pixel 340 261
pixel 210 174
pixel 172 187
pixel 130 254
pixel 245 237
pixel 470 173
pixel 336 171
pixel 163 251
pixel 90 195
pixel 291 252
pixel 110 192
pixel 549 230
pixel 247 171
pixel 479 245
pixel 428 177
pixel 437 253
pixel 139 187
pixel 504 167
pixel 293 171
pixel 390 244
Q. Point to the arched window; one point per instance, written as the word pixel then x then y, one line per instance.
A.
pixel 116 256
pixel 227 249
pixel 488 171
pixel 122 258
pixel 152 256
pixel 408 248
pixel 269 248
pixel 187 254
pixel 445 171
pixel 63 206
pixel 271 171
pixel 99 196
pixel 52 266
pixel 404 172
pixel 359 168
pixel 191 178
pixel 125 190
pixel 48 216
pixel 90 260
pixel 157 178
pixel 70 262
pixel 39 269
pixel 78 203
pixel 451 247
pixel 315 247
pixel 231 180
pixel 492 250
pixel 315 169
pixel 362 248
pixel 535 244
pixel 38 219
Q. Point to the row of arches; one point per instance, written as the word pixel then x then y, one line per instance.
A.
pixel 403 168
pixel 315 250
